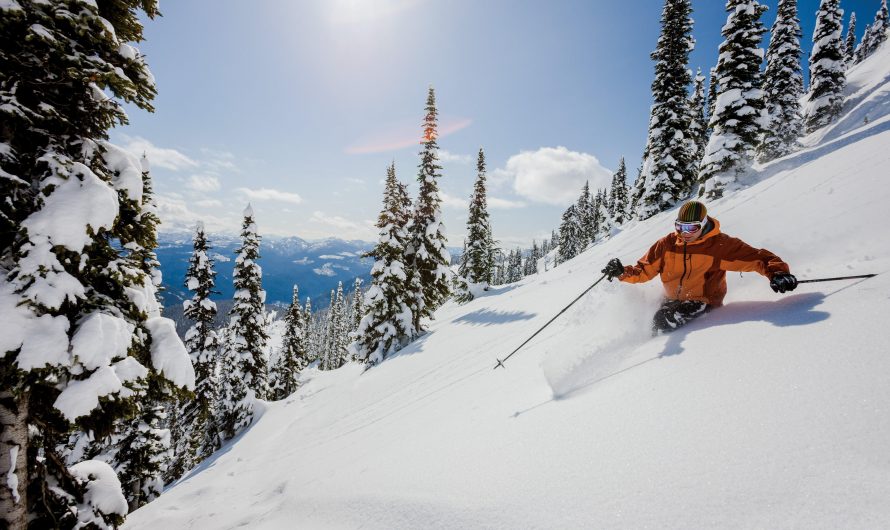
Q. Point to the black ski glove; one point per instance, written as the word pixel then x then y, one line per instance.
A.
pixel 783 281
pixel 613 269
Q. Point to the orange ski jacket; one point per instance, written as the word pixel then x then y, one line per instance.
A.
pixel 697 270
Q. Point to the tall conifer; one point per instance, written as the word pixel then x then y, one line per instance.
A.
pixel 430 262
pixel 698 124
pixel 387 323
pixel 827 68
pixel 244 356
pixel 293 357
pixel 76 245
pixel 739 110
pixel 479 258
pixel 783 85
pixel 618 195
pixel 667 168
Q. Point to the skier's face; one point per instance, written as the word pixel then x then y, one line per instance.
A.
pixel 689 237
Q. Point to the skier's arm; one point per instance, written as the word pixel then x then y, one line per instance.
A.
pixel 738 256
pixel 648 267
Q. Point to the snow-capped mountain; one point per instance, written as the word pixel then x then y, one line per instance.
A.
pixel 771 411
pixel 316 266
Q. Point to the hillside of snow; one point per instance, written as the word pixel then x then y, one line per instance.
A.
pixel 771 412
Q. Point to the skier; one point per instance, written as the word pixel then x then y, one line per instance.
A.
pixel 692 263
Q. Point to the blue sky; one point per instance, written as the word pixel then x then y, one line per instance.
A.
pixel 299 106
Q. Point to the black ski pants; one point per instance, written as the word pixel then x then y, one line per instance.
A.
pixel 676 313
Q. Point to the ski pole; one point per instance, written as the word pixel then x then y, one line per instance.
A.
pixel 502 361
pixel 838 278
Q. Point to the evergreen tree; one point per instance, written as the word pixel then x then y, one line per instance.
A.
pixel 293 356
pixel 387 323
pixel 783 85
pixel 827 68
pixel 195 436
pixel 862 49
pixel 618 195
pixel 430 262
pixel 668 166
pixel 602 221
pixel 141 456
pixel 569 235
pixel 358 305
pixel 850 43
pixel 584 209
pixel 878 31
pixel 713 86
pixel 739 110
pixel 244 351
pixel 76 246
pixel 478 252
pixel 531 263
pixel 698 124
pixel 341 329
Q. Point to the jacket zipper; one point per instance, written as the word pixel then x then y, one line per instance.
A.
pixel 682 276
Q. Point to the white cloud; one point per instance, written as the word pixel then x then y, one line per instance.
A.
pixel 325 270
pixel 175 215
pixel 209 203
pixel 553 175
pixel 504 204
pixel 450 201
pixel 203 183
pixel 158 156
pixel 218 160
pixel 446 157
pixel 268 194
pixel 345 228
pixel 330 256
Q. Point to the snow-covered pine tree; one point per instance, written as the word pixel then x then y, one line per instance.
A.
pixel 341 329
pixel 531 262
pixel 569 235
pixel 311 335
pixel 244 349
pixel 83 340
pixel 827 68
pixel 141 447
pixel 194 435
pixel 878 30
pixel 601 218
pixel 584 209
pixel 618 195
pixel 358 305
pixel 293 356
pixel 862 48
pixel 698 123
pixel 636 193
pixel 713 86
pixel 428 253
pixel 387 323
pixel 479 253
pixel 850 42
pixel 515 266
pixel 739 110
pixel 782 85
pixel 668 168
pixel 142 453
pixel 511 274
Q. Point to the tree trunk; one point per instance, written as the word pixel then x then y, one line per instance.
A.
pixel 13 466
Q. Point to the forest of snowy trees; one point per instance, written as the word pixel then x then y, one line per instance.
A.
pixel 102 404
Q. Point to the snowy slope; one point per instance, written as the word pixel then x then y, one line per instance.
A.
pixel 773 411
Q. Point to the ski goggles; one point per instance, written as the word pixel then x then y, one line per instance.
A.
pixel 690 227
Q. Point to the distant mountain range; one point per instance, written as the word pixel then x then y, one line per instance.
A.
pixel 315 266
